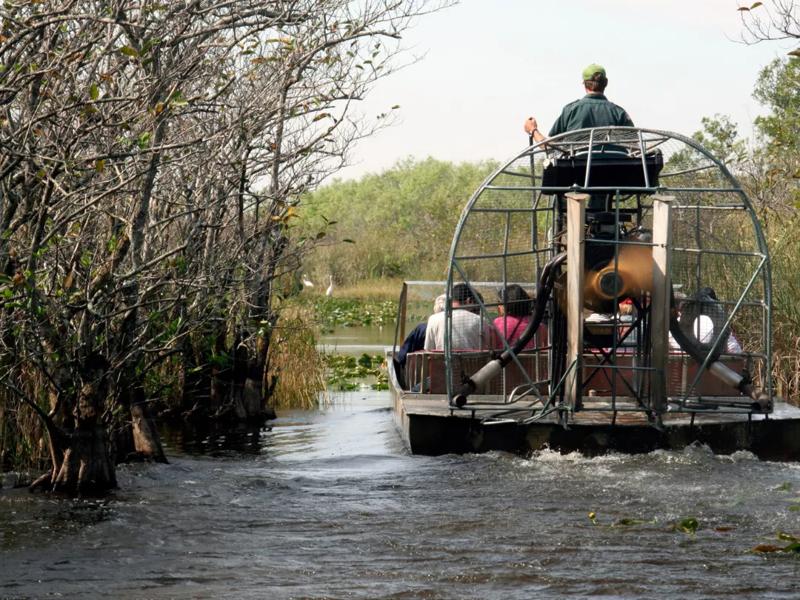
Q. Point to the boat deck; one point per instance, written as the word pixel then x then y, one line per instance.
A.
pixel 430 426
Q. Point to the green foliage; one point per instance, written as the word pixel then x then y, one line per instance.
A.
pixel 339 312
pixel 400 221
pixel 347 373
pixel 778 88
pixel 721 136
pixel 770 174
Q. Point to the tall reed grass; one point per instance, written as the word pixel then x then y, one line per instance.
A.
pixel 372 289
pixel 295 361
pixel 785 253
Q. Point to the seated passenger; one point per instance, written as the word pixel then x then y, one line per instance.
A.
pixel 468 330
pixel 515 315
pixel 416 339
pixel 703 327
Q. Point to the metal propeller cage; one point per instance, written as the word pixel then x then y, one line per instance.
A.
pixel 516 221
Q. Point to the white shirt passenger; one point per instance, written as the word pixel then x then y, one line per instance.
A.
pixel 704 333
pixel 466 334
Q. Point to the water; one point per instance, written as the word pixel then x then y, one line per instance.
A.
pixel 332 506
pixel 329 505
pixel 358 340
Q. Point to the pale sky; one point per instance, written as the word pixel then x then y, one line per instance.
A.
pixel 488 65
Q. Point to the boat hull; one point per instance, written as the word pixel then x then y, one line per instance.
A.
pixel 428 426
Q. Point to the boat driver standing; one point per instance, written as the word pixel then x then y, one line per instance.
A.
pixel 593 110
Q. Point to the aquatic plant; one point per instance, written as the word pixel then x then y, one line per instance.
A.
pixel 689 525
pixel 793 547
pixel 341 312
pixel 347 373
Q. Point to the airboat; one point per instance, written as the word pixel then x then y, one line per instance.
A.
pixel 588 223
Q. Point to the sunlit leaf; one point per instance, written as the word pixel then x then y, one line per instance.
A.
pixel 627 522
pixel 94 91
pixel 177 99
pixel 144 140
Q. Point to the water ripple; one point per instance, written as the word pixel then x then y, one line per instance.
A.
pixel 330 505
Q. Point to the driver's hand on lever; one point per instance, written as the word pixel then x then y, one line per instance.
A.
pixel 532 129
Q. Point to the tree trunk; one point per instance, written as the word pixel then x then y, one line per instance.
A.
pixel 81 459
pixel 247 387
pixel 139 439
pixel 86 468
pixel 146 440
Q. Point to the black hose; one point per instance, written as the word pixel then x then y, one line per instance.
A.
pixel 543 290
pixel 704 304
pixel 692 346
pixel 699 351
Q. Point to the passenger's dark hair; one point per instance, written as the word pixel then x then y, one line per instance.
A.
pixel 462 294
pixel 516 301
pixel 706 292
pixel 465 296
pixel 597 83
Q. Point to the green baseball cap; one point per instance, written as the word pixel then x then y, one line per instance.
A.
pixel 589 71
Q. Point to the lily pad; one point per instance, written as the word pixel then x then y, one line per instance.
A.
pixel 688 525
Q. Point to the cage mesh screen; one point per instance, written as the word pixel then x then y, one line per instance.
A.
pixel 510 228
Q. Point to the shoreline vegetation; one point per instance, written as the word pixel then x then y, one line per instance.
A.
pixel 306 372
pixel 154 159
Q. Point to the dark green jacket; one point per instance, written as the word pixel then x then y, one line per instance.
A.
pixel 593 110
